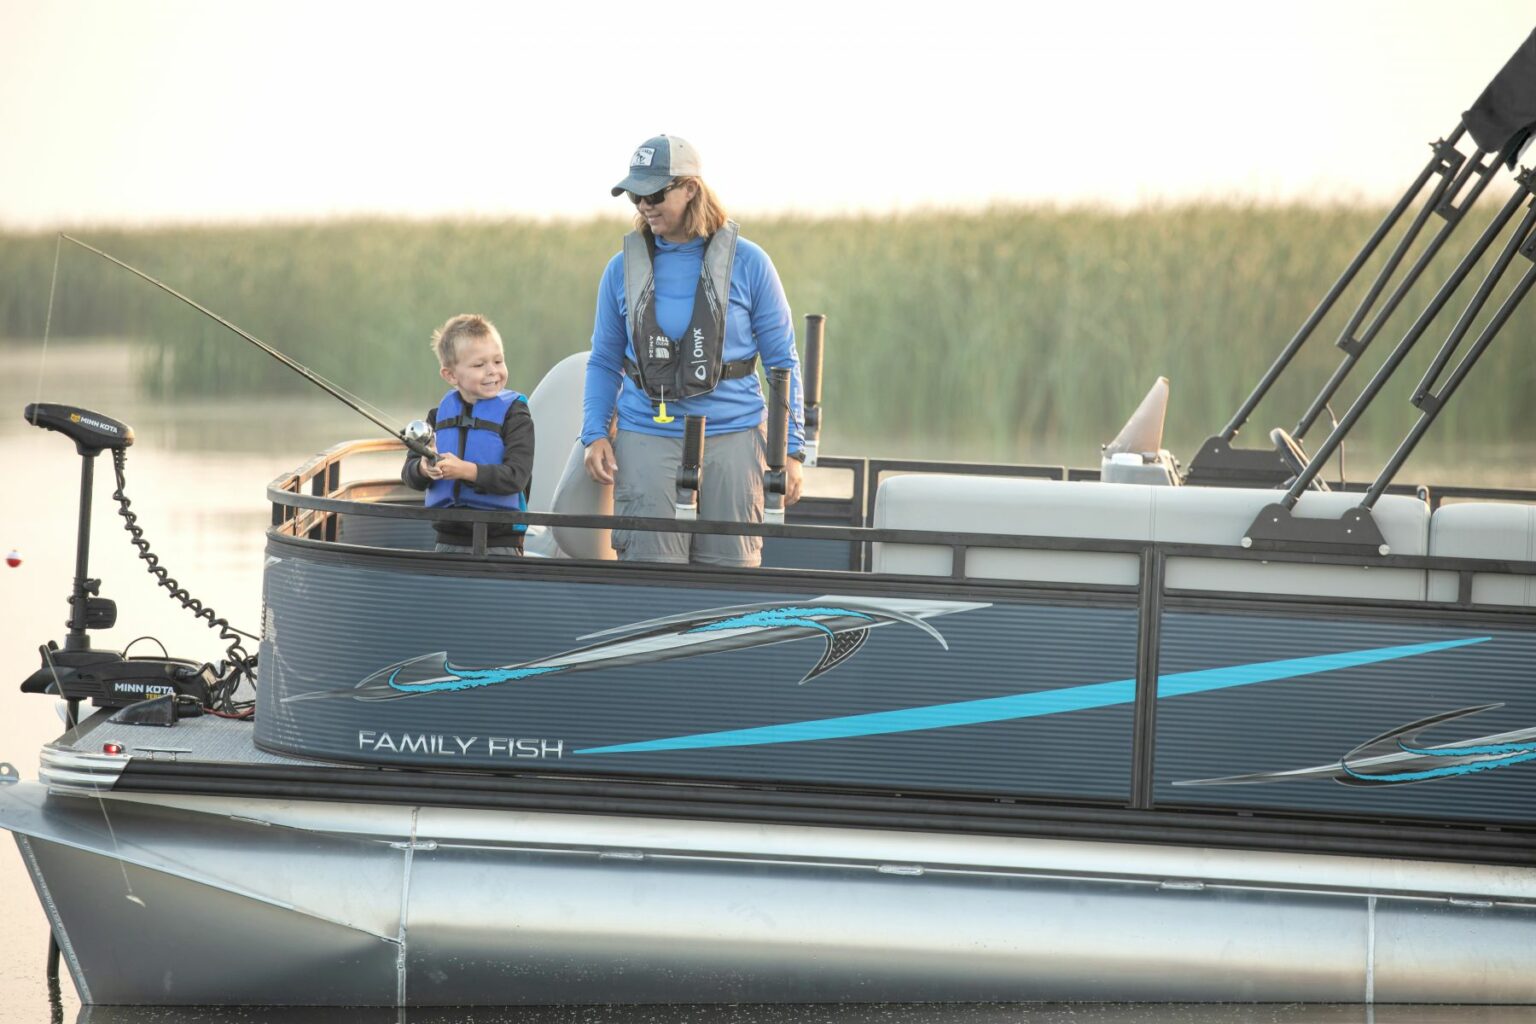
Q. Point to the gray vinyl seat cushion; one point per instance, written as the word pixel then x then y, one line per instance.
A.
pixel 560 481
pixel 1485 530
pixel 1195 515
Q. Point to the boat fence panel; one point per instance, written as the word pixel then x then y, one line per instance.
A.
pixel 1501 531
pixel 387 531
pixel 1348 715
pixel 409 662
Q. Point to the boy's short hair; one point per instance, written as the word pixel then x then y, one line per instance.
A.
pixel 447 339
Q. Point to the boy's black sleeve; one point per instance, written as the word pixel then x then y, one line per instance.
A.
pixel 516 468
pixel 411 471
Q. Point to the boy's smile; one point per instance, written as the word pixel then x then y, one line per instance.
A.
pixel 479 370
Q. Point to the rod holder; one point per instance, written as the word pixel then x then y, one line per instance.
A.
pixel 690 472
pixel 815 344
pixel 774 482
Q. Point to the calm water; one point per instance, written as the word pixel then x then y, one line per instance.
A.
pixel 197 476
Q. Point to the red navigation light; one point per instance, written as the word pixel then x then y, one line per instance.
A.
pixel 112 748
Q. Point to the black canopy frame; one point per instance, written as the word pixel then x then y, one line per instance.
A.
pixel 1499 125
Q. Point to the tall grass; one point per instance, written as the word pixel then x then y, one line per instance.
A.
pixel 1006 329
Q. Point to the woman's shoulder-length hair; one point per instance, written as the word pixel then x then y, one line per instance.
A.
pixel 704 215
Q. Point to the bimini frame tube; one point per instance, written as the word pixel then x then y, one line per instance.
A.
pixel 1436 304
pixel 1441 201
pixel 1500 123
pixel 1437 164
pixel 1429 402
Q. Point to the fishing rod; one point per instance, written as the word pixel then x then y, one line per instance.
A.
pixel 416 437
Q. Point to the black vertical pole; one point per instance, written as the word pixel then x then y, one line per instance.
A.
pixel 78 639
pixel 1149 614
pixel 815 344
pixel 774 480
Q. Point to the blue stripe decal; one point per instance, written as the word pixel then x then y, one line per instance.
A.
pixel 1446 771
pixel 779 618
pixel 1029 705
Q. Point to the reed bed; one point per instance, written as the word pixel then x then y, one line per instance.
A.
pixel 1005 332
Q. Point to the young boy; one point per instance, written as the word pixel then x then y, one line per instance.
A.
pixel 484 438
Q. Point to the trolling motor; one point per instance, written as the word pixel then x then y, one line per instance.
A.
pixel 160 689
pixel 690 472
pixel 815 341
pixel 775 481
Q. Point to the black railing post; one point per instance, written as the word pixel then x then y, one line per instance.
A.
pixel 1149 614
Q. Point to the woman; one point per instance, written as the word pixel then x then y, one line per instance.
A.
pixel 684 314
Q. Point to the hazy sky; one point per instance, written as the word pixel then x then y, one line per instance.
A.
pixel 140 111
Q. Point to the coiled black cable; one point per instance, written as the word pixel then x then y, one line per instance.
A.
pixel 238 664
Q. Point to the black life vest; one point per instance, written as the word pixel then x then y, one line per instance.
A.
pixel 667 368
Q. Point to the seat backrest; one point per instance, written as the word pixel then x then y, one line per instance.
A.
pixel 1193 515
pixel 1501 530
pixel 578 494
pixel 555 405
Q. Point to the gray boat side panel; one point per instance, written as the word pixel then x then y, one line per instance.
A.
pixel 1314 720
pixel 1028 695
pixel 994 649
pixel 161 939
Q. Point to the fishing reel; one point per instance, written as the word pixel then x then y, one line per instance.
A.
pixel 420 432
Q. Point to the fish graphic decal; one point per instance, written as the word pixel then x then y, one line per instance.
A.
pixel 1398 757
pixel 842 623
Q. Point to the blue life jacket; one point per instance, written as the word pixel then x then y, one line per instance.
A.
pixel 474 435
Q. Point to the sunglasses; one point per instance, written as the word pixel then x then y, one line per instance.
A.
pixel 655 198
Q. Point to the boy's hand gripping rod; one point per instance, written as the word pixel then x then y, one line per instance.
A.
pixel 410 439
pixel 690 472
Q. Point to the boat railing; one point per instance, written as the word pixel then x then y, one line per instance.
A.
pixel 310 502
pixel 321 477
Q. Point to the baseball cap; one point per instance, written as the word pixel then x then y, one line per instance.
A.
pixel 655 162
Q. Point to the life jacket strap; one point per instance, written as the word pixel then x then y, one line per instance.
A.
pixel 728 371
pixel 467 422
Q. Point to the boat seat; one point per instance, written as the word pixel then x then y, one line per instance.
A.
pixel 555 405
pixel 556 409
pixel 1504 531
pixel 1194 515
pixel 577 494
